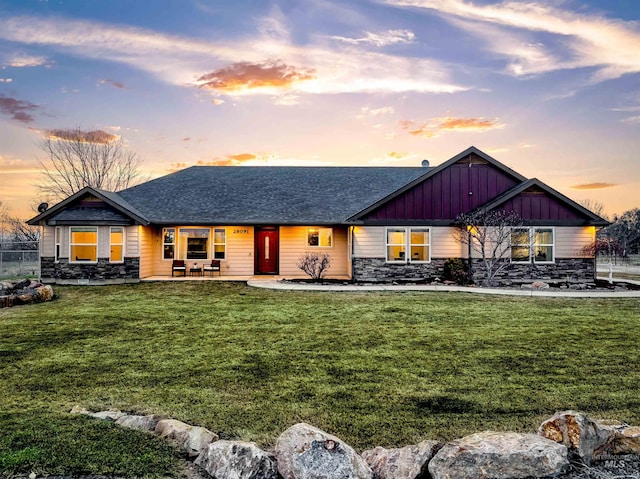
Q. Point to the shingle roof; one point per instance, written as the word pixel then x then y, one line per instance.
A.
pixel 265 195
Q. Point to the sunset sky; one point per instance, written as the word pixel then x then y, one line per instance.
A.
pixel 551 88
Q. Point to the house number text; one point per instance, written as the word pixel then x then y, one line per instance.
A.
pixel 240 231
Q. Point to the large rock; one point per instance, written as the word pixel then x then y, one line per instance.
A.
pixel 110 415
pixel 193 439
pixel 237 460
pixel 408 462
pixel 495 455
pixel 578 432
pixel 306 452
pixel 626 442
pixel 141 423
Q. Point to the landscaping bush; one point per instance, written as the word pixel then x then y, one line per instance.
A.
pixel 455 270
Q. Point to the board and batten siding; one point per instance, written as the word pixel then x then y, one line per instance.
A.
pixel 370 242
pixel 293 244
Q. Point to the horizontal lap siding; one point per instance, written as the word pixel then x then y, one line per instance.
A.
pixel 132 241
pixel 240 259
pixel 570 241
pixel 48 246
pixel 370 242
pixel 147 241
pixel 293 244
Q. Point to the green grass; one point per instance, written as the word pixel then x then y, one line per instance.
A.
pixel 373 368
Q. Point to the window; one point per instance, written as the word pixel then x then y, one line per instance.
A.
pixel 415 240
pixel 58 243
pixel 396 244
pixel 543 245
pixel 83 243
pixel 194 243
pixel 520 245
pixel 532 245
pixel 219 243
pixel 168 243
pixel 320 237
pixel 116 241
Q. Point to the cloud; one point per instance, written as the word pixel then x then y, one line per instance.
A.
pixel 593 186
pixel 217 101
pixel 242 66
pixel 6 80
pixel 383 39
pixel 365 111
pixel 22 61
pixel 114 83
pixel 229 160
pixel 584 40
pixel 246 75
pixel 19 110
pixel 99 137
pixel 396 157
pixel 435 126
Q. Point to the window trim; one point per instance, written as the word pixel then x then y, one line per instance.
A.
pixel 122 230
pixel 524 229
pixel 407 244
pixel 214 244
pixel 71 245
pixel 174 243
pixel 57 243
pixel 319 229
pixel 532 230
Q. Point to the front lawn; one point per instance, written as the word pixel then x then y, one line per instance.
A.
pixel 373 368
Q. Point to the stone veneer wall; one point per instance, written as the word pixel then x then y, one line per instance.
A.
pixel 580 270
pixel 103 270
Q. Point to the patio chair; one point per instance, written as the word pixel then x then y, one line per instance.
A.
pixel 214 266
pixel 178 266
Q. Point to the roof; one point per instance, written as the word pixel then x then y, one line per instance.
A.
pixel 66 210
pixel 265 195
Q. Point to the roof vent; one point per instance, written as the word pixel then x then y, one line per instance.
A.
pixel 425 163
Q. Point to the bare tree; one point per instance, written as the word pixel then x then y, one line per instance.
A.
pixel 78 158
pixel 594 206
pixel 314 264
pixel 15 230
pixel 488 233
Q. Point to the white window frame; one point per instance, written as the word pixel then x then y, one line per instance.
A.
pixel 524 229
pixel 174 244
pixel 407 244
pixel 534 245
pixel 122 229
pixel 320 236
pixel 214 244
pixel 57 235
pixel 72 259
pixel 532 230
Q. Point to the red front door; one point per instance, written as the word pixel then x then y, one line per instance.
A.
pixel 266 250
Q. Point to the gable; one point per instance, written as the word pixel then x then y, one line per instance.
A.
pixel 460 186
pixel 89 210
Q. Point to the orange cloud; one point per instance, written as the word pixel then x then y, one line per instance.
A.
pixel 229 160
pixel 435 126
pixel 18 109
pixel 96 136
pixel 593 186
pixel 246 75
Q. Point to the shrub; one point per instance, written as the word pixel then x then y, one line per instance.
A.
pixel 314 264
pixel 455 270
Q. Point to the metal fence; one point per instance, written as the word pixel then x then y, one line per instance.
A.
pixel 19 259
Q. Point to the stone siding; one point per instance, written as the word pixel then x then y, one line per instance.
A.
pixel 372 270
pixel 102 271
pixel 571 270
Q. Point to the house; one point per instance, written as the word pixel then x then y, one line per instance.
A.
pixel 376 223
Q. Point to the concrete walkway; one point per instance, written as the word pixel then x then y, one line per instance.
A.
pixel 285 285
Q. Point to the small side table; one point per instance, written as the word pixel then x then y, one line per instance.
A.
pixel 195 271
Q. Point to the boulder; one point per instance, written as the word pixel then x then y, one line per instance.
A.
pixel 141 423
pixel 111 415
pixel 306 452
pixel 576 431
pixel 409 462
pixel 77 409
pixel 627 441
pixel 539 285
pixel 497 455
pixel 22 284
pixel 237 460
pixel 193 439
pixel 44 293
